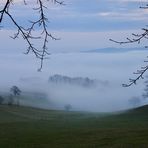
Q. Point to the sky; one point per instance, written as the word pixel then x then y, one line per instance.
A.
pixel 86 25
pixel 100 15
pixel 82 26
pixel 96 15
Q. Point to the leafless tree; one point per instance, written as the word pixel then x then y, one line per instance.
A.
pixel 136 38
pixel 16 92
pixel 27 33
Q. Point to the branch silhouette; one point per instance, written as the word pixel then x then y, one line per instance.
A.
pixel 136 38
pixel 27 33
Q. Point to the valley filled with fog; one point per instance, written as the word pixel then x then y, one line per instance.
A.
pixel 87 81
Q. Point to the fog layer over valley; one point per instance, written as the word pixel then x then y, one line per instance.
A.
pixel 86 81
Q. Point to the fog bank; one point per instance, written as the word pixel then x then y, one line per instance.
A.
pixel 114 68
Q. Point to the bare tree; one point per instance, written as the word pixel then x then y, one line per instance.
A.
pixel 16 92
pixel 27 33
pixel 136 38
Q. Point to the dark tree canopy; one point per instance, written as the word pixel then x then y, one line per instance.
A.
pixel 15 90
pixel 27 33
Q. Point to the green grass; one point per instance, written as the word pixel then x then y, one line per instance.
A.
pixel 24 127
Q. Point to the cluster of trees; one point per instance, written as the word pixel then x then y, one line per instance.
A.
pixel 80 81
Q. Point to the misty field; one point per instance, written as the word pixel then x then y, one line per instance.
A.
pixel 24 127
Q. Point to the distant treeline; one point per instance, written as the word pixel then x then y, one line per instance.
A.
pixel 84 82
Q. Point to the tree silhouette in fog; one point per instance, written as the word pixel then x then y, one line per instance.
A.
pixel 16 92
pixel 28 33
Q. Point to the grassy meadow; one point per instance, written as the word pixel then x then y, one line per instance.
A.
pixel 24 127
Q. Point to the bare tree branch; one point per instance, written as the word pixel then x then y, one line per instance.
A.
pixel 136 38
pixel 26 33
pixel 140 74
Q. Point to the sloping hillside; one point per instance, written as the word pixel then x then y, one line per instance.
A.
pixel 142 111
pixel 24 127
pixel 15 114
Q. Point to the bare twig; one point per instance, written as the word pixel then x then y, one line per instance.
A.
pixel 136 38
pixel 140 74
pixel 26 33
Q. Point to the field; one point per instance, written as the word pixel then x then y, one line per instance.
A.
pixel 24 127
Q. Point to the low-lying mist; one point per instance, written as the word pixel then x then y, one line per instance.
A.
pixel 100 99
pixel 108 71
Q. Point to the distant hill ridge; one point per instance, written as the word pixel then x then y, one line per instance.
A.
pixel 140 110
pixel 115 50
